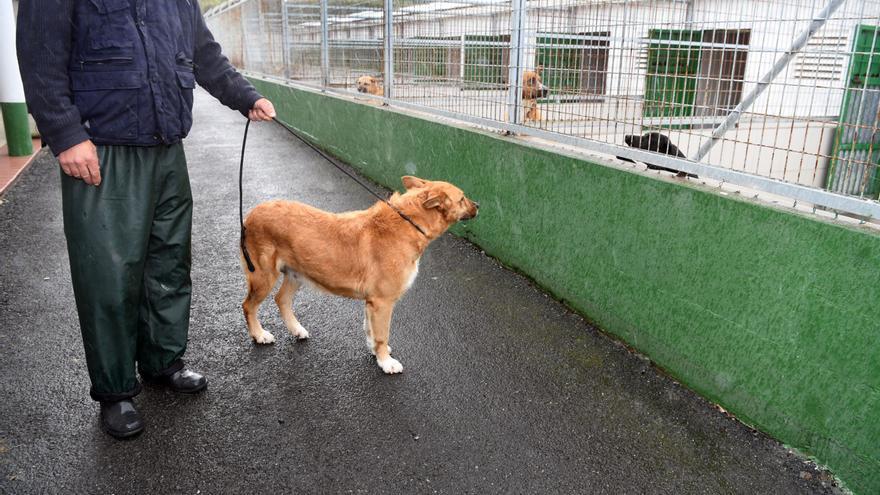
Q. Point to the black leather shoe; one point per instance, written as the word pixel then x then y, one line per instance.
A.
pixel 121 419
pixel 185 381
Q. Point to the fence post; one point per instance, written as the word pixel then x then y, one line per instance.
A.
pixel 514 73
pixel 285 39
pixel 781 63
pixel 389 48
pixel 325 46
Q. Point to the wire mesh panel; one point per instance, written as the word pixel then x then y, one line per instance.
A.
pixel 226 26
pixel 252 35
pixel 453 56
pixel 618 69
pixel 303 27
pixel 787 91
pixel 355 42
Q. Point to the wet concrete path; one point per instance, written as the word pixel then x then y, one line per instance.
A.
pixel 504 390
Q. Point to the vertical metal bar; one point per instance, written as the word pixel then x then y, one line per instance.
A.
pixel 754 132
pixel 514 73
pixel 285 39
pixel 244 37
pixel 767 112
pixel 261 38
pixel 389 48
pixel 325 46
pixel 781 63
pixel 461 61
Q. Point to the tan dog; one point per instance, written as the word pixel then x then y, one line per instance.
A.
pixel 532 89
pixel 370 85
pixel 371 255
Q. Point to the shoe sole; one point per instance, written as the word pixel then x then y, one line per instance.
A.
pixel 190 391
pixel 122 435
pixel 165 385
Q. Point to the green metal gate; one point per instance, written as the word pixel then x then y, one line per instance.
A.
pixel 486 59
pixel 561 59
pixel 854 166
pixel 574 64
pixel 673 69
pixel 418 58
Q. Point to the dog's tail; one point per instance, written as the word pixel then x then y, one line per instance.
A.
pixel 244 251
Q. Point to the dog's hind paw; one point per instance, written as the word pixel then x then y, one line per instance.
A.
pixel 265 338
pixel 390 366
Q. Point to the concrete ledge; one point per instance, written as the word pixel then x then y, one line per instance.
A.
pixel 772 314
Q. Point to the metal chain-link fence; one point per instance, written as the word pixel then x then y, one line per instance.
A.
pixel 779 97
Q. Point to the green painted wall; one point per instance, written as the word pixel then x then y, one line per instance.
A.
pixel 774 315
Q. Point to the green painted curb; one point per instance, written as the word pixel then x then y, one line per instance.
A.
pixel 772 314
pixel 18 130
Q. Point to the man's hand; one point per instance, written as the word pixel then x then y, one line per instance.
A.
pixel 81 161
pixel 263 110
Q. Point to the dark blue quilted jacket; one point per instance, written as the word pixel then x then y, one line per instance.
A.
pixel 120 71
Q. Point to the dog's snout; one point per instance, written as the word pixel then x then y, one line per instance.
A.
pixel 472 211
pixel 362 89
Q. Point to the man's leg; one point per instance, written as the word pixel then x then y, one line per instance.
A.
pixel 107 230
pixel 165 301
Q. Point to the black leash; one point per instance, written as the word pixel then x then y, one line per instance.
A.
pixel 244 251
pixel 327 157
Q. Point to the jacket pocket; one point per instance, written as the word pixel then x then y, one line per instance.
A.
pixel 96 60
pixel 111 33
pixel 108 102
pixel 186 80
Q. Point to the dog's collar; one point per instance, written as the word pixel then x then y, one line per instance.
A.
pixel 404 216
pixel 341 169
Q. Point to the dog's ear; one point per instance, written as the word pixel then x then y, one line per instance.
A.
pixel 433 199
pixel 412 182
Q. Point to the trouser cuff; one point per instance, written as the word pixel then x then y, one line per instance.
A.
pixel 176 366
pixel 115 396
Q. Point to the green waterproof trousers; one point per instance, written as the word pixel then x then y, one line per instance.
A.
pixel 129 245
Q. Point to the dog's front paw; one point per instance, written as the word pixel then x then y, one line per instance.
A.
pixel 390 365
pixel 264 338
pixel 300 332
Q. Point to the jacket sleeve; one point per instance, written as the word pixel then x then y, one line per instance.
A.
pixel 43 40
pixel 214 72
